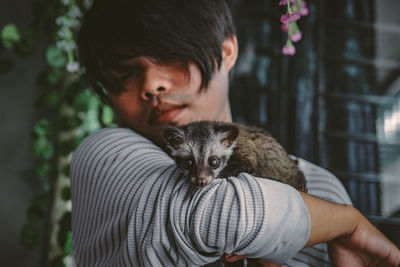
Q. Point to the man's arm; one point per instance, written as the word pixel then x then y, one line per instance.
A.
pixel 353 240
pixel 260 218
pixel 328 220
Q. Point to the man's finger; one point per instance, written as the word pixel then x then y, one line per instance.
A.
pixel 232 257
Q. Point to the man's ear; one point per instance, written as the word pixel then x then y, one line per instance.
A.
pixel 229 133
pixel 173 136
pixel 230 51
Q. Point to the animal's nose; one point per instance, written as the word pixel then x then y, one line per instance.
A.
pixel 201 182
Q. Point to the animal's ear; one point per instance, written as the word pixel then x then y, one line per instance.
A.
pixel 173 136
pixel 229 133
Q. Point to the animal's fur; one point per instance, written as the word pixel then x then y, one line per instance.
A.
pixel 237 149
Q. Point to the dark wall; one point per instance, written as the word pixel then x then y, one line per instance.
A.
pixel 18 186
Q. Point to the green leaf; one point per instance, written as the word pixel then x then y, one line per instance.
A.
pixel 55 57
pixel 66 170
pixel 40 200
pixel 35 213
pixel 69 122
pixel 29 236
pixel 10 35
pixel 81 101
pixel 6 64
pixel 74 89
pixel 52 99
pixel 108 115
pixel 53 76
pixel 65 222
pixel 67 147
pixel 48 98
pixel 62 238
pixel 68 244
pixel 43 170
pixel 42 127
pixel 94 102
pixel 91 122
pixel 42 148
pixel 46 187
pixel 65 227
pixel 66 193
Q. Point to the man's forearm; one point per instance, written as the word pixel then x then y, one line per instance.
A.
pixel 329 220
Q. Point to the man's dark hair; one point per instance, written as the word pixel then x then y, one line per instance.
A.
pixel 162 30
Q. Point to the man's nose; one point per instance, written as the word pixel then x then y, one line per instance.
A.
pixel 156 82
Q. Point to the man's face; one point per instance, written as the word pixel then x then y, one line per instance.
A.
pixel 157 95
pixel 160 94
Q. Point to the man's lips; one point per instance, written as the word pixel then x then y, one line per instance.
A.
pixel 165 113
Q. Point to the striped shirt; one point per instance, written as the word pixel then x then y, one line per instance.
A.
pixel 132 207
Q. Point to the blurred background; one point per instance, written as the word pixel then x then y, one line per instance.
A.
pixel 336 103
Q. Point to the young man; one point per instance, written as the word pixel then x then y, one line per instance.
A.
pixel 168 62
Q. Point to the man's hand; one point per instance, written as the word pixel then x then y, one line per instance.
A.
pixel 250 262
pixel 365 246
pixel 353 241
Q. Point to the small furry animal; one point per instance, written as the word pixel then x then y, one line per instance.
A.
pixel 205 150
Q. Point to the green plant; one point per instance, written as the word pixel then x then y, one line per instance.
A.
pixel 70 111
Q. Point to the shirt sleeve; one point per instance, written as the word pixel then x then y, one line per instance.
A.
pixel 256 217
pixel 132 207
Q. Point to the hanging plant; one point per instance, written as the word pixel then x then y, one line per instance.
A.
pixel 295 9
pixel 71 111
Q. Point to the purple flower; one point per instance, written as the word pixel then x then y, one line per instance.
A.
pixel 295 10
pixel 303 11
pixel 301 8
pixel 296 37
pixel 286 18
pixel 284 27
pixel 284 2
pixel 289 49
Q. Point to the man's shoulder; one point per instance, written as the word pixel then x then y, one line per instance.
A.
pixel 112 134
pixel 109 137
pixel 108 142
pixel 314 170
pixel 113 149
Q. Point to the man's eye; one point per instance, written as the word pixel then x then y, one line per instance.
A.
pixel 125 76
pixel 213 162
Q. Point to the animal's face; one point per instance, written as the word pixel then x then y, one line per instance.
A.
pixel 201 149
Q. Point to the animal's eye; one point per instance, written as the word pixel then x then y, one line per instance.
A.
pixel 188 163
pixel 213 162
